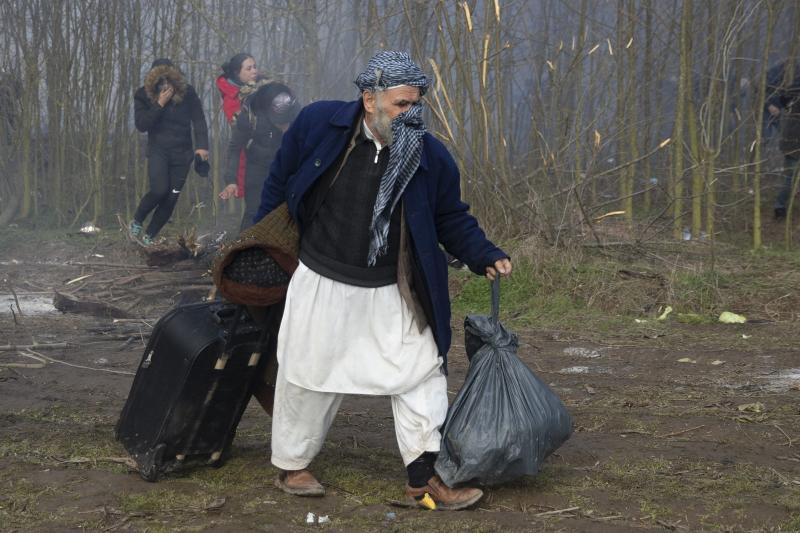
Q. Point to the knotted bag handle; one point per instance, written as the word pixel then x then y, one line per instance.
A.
pixel 496 298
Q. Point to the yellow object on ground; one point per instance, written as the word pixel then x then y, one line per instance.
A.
pixel 732 318
pixel 665 314
pixel 427 502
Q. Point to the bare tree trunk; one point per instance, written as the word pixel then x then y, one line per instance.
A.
pixel 697 163
pixel 647 112
pixel 772 15
pixel 633 116
pixel 684 91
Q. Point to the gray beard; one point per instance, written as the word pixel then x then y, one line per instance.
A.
pixel 383 126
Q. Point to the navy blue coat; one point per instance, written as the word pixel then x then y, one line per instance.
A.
pixel 432 199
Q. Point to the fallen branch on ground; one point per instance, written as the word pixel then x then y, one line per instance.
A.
pixel 111 265
pixel 6 347
pixel 109 370
pixel 40 363
pixel 127 461
pixel 16 300
pixel 69 303
pixel 557 512
pixel 145 321
pixel 676 433
pixel 788 438
pixel 634 432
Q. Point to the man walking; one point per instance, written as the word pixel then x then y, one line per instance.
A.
pixel 784 104
pixel 368 310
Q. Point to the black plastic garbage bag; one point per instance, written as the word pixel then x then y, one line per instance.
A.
pixel 504 421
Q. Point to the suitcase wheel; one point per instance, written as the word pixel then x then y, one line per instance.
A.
pixel 151 462
pixel 218 459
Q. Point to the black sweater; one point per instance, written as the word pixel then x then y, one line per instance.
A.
pixel 335 243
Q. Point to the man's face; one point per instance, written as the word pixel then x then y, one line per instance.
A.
pixel 381 107
pixel 393 101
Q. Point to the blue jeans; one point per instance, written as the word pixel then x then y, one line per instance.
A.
pixel 789 169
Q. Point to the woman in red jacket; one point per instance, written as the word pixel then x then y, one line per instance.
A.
pixel 239 71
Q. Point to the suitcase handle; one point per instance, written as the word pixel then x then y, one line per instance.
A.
pixel 223 313
pixel 228 337
pixel 237 317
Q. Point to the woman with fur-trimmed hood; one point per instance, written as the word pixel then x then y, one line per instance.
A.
pixel 168 109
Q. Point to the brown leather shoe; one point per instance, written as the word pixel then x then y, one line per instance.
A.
pixel 442 496
pixel 299 483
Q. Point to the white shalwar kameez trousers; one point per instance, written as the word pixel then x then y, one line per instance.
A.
pixel 338 339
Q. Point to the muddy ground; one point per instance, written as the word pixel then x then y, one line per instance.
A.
pixel 677 426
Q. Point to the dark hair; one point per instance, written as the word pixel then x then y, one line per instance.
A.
pixel 161 61
pixel 162 83
pixel 232 68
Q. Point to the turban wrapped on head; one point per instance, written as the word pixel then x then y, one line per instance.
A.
pixel 390 68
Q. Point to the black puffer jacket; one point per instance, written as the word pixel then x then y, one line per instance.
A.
pixel 170 127
pixel 253 130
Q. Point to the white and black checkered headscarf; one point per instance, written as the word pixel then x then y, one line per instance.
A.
pixel 385 70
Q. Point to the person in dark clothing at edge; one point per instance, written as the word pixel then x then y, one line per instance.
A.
pixel 239 71
pixel 268 107
pixel 770 123
pixel 168 109
pixel 367 310
pixel 783 105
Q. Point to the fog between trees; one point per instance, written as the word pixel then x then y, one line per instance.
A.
pixel 557 111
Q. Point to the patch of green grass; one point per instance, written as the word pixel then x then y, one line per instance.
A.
pixel 37 239
pixel 63 415
pixel 365 475
pixel 72 434
pixel 719 494
pixel 444 523
pixel 527 297
pixel 771 255
pixel 634 481
pixel 693 318
pixel 700 291
pixel 237 474
pixel 160 499
pixel 793 524
pixel 19 504
pixel 639 473
pixel 602 294
pixel 583 294
pixel 366 486
pixel 790 499
pixel 653 511
pixel 75 445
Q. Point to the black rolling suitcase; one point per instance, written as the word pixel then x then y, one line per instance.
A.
pixel 192 386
